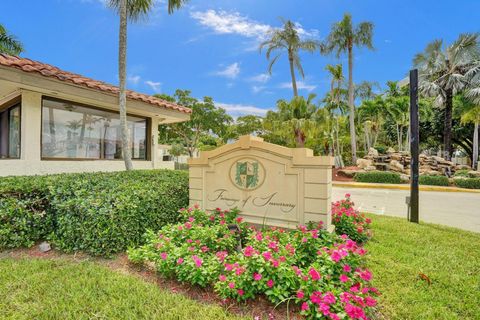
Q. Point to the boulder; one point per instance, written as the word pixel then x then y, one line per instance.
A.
pixel 44 247
pixel 363 163
pixel 390 150
pixel 373 152
pixel 396 166
pixel 404 178
pixel 462 167
pixel 396 156
pixel 370 168
pixel 474 174
pixel 349 173
pixel 433 173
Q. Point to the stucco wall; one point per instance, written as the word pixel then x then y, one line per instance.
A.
pixel 30 162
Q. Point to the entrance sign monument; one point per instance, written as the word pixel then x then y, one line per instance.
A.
pixel 270 184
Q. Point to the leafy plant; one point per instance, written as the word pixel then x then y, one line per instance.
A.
pixel 323 273
pixel 99 213
pixel 468 183
pixel 349 221
pixel 434 180
pixel 378 177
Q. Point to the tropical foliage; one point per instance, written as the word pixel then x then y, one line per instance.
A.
pixel 8 43
pixel 288 39
pixel 342 39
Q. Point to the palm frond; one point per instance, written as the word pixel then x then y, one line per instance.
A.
pixel 8 43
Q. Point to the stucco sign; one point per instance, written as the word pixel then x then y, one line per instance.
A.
pixel 269 184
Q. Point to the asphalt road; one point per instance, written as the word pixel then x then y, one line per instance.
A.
pixel 455 209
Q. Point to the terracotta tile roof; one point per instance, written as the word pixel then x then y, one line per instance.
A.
pixel 50 71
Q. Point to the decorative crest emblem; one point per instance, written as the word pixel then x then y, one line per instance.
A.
pixel 247 174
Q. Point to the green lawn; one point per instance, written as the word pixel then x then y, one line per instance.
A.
pixel 450 258
pixel 62 289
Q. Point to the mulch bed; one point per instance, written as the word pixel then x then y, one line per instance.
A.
pixel 260 308
pixel 337 177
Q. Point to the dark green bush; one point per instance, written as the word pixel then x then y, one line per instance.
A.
pixel 434 180
pixel 468 183
pixel 381 149
pixel 378 177
pixel 99 213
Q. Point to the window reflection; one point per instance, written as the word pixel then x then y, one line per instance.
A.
pixel 10 133
pixel 71 131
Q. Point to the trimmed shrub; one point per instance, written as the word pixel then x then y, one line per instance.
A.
pixel 99 213
pixel 434 180
pixel 461 173
pixel 468 183
pixel 378 177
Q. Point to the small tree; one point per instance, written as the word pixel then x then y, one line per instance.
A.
pixel 206 119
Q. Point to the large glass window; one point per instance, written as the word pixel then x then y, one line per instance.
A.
pixel 71 131
pixel 10 132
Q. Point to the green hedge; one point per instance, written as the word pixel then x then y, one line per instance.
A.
pixel 434 180
pixel 99 213
pixel 378 177
pixel 469 183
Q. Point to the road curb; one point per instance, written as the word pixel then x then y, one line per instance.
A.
pixel 400 187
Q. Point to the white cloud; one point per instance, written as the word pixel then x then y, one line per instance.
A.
pixel 301 85
pixel 262 78
pixel 156 86
pixel 237 110
pixel 257 89
pixel 223 22
pixel 134 79
pixel 231 71
pixel 313 33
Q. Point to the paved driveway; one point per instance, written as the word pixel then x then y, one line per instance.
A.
pixel 456 209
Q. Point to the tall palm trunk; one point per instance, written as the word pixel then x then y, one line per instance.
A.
pixel 447 130
pixel 122 75
pixel 475 146
pixel 292 73
pixel 299 138
pixel 351 104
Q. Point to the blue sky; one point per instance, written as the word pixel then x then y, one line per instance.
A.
pixel 210 47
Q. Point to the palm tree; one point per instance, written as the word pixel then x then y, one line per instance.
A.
pixel 333 103
pixel 473 116
pixel 343 37
pixel 336 73
pixel 8 43
pixel 132 10
pixel 296 118
pixel 446 71
pixel 288 39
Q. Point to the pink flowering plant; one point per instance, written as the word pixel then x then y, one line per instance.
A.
pixel 322 273
pixel 349 221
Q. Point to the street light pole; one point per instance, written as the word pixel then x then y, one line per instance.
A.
pixel 414 145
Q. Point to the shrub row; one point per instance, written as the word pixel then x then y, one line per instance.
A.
pixel 99 213
pixel 434 180
pixel 378 177
pixel 469 183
